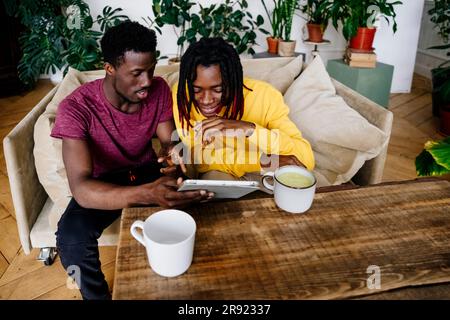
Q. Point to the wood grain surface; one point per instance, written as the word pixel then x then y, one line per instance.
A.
pixel 249 249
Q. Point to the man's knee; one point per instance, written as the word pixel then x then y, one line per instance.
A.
pixel 77 226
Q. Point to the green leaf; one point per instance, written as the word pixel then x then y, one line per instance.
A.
pixel 181 40
pixel 204 32
pixel 156 8
pixel 190 34
pixel 440 152
pixel 259 20
pixel 264 31
pixel 426 166
pixel 434 160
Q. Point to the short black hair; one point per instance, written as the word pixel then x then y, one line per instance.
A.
pixel 207 52
pixel 126 36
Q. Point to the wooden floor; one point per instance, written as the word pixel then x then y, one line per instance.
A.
pixel 22 277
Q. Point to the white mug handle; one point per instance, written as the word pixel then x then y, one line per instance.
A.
pixel 137 235
pixel 266 184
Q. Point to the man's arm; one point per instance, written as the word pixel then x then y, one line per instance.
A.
pixel 91 193
pixel 280 135
pixel 166 132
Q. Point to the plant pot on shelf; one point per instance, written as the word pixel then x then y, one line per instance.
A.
pixel 272 45
pixel 363 39
pixel 286 48
pixel 315 32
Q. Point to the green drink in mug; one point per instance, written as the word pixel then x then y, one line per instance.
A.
pixel 293 187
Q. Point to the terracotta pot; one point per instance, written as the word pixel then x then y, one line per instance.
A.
pixel 315 32
pixel 286 48
pixel 272 44
pixel 363 39
pixel 445 120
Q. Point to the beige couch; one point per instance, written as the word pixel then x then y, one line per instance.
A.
pixel 33 205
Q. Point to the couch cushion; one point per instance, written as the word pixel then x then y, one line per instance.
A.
pixel 48 151
pixel 342 140
pixel 279 74
pixel 169 73
pixel 43 233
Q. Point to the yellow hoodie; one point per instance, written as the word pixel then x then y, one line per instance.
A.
pixel 274 134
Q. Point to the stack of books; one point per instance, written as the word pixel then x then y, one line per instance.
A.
pixel 360 58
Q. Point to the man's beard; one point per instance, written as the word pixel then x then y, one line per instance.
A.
pixel 125 99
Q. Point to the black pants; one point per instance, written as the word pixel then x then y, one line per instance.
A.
pixel 79 229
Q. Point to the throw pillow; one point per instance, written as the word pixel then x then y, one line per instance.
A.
pixel 342 139
pixel 48 151
pixel 280 72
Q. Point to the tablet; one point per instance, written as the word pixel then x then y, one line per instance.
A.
pixel 223 189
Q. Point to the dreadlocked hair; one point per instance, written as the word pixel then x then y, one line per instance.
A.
pixel 208 52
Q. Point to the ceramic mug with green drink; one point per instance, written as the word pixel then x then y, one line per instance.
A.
pixel 293 187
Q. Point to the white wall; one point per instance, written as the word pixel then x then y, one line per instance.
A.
pixel 428 59
pixel 399 49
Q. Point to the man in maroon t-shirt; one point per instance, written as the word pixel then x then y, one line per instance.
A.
pixel 106 127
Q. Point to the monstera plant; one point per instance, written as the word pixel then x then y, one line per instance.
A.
pixel 59 34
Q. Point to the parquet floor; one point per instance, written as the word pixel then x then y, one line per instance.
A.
pixel 22 277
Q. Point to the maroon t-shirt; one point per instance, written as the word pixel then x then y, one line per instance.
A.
pixel 116 139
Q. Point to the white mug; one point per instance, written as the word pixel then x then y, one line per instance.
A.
pixel 168 237
pixel 288 198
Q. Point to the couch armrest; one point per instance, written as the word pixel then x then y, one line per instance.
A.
pixel 372 171
pixel 28 195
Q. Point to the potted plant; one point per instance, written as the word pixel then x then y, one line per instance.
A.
pixel 358 18
pixel 59 34
pixel 317 18
pixel 229 20
pixel 275 23
pixel 176 14
pixel 286 46
pixel 440 75
pixel 434 160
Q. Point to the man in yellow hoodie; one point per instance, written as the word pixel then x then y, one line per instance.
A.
pixel 232 127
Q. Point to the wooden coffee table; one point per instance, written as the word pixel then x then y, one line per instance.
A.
pixel 249 249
